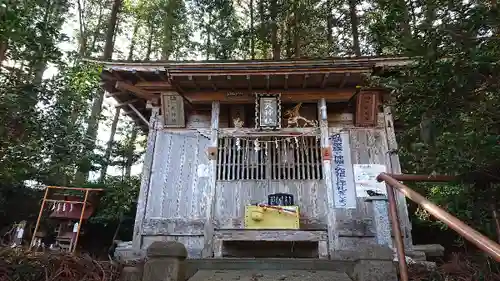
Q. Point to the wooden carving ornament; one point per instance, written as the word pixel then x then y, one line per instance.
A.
pixel 238 123
pixel 294 116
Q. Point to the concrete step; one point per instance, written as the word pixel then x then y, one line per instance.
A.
pixel 270 264
pixel 231 267
pixel 269 275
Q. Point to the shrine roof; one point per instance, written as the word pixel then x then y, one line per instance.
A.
pixel 133 83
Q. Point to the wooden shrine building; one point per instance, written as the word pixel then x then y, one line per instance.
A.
pixel 225 139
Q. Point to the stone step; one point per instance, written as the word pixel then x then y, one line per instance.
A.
pixel 270 264
pixel 269 275
pixel 195 266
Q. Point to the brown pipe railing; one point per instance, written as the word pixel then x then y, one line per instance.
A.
pixel 422 178
pixel 467 232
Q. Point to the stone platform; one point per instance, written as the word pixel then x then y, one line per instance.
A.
pixel 269 275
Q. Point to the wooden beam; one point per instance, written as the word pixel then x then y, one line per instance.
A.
pixel 268 78
pixel 111 95
pixel 325 79
pixel 163 85
pixel 226 72
pixel 304 83
pixel 139 114
pixel 162 77
pixel 116 75
pixel 344 80
pixel 190 77
pixel 180 91
pixel 120 85
pixel 126 103
pixel 137 121
pixel 229 79
pixel 247 97
pixel 249 81
pixel 138 75
pixel 286 82
pixel 212 82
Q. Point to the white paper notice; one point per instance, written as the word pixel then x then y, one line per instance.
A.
pixel 203 171
pixel 365 177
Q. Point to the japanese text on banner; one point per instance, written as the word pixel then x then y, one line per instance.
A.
pixel 342 179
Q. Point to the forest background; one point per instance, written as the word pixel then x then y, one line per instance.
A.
pixel 59 128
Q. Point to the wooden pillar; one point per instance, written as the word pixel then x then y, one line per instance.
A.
pixel 327 176
pixel 210 197
pixel 395 168
pixel 146 176
pixel 39 216
pixel 84 206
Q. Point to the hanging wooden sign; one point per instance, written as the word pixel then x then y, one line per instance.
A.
pixel 367 109
pixel 268 109
pixel 173 110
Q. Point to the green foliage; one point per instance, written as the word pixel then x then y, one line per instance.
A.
pixel 449 107
pixel 17 203
pixel 44 124
pixel 119 199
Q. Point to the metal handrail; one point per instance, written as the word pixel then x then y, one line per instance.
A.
pixel 467 232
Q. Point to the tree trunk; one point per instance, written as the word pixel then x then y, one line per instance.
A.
pixel 274 30
pixel 354 27
pixel 329 26
pixel 496 28
pixel 93 123
pixel 406 23
pixel 110 33
pixel 38 67
pixel 208 45
pixel 4 43
pixel 289 37
pixel 3 51
pixel 95 33
pixel 252 35
pixel 109 147
pixel 296 26
pixel 130 152
pixel 264 31
pixel 169 23
pixel 132 42
pixel 83 36
pixel 149 47
pixel 114 36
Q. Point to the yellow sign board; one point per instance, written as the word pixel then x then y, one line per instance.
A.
pixel 272 217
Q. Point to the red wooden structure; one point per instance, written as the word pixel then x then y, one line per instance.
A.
pixel 67 208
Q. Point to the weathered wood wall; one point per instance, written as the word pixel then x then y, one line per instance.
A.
pixel 356 226
pixel 176 203
pixel 233 196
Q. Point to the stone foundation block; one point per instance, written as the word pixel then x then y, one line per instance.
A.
pixel 165 261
